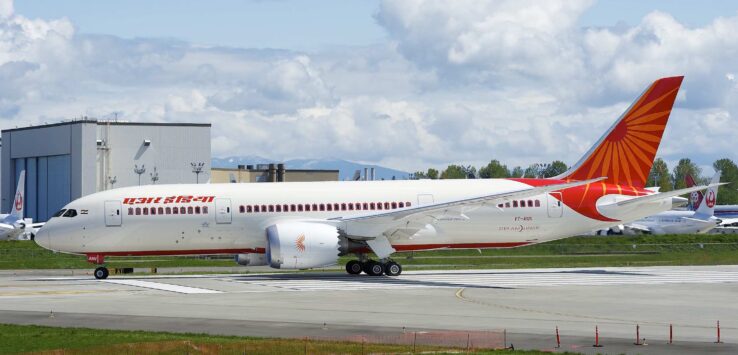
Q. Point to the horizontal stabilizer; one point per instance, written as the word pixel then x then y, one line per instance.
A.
pixel 663 195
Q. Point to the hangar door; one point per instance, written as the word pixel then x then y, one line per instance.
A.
pixel 222 210
pixel 113 215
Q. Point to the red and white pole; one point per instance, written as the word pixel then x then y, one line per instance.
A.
pixel 597 338
pixel 638 335
pixel 558 340
pixel 671 333
pixel 718 333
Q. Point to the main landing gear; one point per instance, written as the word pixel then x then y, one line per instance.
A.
pixel 374 268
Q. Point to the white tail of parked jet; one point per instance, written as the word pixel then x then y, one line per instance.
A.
pixel 16 211
pixel 706 208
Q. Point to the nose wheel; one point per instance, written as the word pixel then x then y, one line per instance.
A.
pixel 101 273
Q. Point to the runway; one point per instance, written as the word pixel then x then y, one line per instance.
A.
pixel 527 303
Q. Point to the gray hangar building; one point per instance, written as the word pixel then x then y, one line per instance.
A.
pixel 68 160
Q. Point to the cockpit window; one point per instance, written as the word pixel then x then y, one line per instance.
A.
pixel 70 213
pixel 59 213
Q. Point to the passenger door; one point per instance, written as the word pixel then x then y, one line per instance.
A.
pixel 223 210
pixel 113 213
pixel 555 206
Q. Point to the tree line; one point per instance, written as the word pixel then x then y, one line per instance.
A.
pixel 660 174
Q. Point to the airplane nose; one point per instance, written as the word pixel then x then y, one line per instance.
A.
pixel 43 238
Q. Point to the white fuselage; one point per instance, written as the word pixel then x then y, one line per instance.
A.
pixel 120 221
pixel 677 222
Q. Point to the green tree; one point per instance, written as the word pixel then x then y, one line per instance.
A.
pixel 517 172
pixel 458 172
pixel 660 176
pixel 685 167
pixel 557 167
pixel 494 170
pixel 432 174
pixel 727 194
pixel 418 175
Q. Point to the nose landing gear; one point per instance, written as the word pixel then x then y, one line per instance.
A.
pixel 101 273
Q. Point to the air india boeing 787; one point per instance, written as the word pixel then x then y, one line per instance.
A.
pixel 309 225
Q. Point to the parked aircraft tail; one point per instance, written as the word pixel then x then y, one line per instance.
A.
pixel 625 153
pixel 707 209
pixel 16 212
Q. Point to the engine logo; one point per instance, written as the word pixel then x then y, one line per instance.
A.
pixel 710 200
pixel 300 243
pixel 18 202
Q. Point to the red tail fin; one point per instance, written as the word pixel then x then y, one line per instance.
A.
pixel 696 196
pixel 626 152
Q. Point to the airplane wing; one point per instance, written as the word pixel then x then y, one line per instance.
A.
pixel 408 221
pixel 663 195
pixel 637 227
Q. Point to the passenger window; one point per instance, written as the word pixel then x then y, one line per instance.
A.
pixel 248 209
pixel 279 208
pixel 138 211
pixel 205 209
pixel 182 210
pixel 59 213
pixel 315 207
pixel 351 206
pixel 515 203
pixel 343 207
pixel 407 204
pixel 500 206
pixel 336 207
pixel 70 213
pixel 394 205
pixel 379 205
pixel 242 209
pixel 322 207
pixel 153 210
pixel 530 203
pixel 293 208
pixel 386 205
pixel 189 210
pixel 401 204
pixel 169 210
pixel 365 206
pixel 299 208
pixel 372 206
pixel 161 210
pixel 538 203
pixel 263 208
pixel 130 211
pixel 145 211
pixel 329 207
pixel 256 208
pixel 271 208
pixel 507 204
pixel 197 209
pixel 285 208
pixel 175 210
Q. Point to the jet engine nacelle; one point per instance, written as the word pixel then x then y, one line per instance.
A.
pixel 251 259
pixel 301 245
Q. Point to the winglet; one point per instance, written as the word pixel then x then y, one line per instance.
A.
pixel 626 151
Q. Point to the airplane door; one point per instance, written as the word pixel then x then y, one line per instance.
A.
pixel 113 213
pixel 425 199
pixel 555 206
pixel 223 210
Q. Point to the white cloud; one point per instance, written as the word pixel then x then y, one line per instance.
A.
pixel 458 82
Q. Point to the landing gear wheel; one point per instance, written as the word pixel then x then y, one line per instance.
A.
pixel 392 269
pixel 374 268
pixel 354 267
pixel 101 273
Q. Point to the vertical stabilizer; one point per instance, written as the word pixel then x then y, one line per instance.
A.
pixel 707 209
pixel 16 211
pixel 625 153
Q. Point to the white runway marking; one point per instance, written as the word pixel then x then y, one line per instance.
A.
pixel 519 278
pixel 160 286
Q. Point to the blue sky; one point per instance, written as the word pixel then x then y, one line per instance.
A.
pixel 300 24
pixel 406 84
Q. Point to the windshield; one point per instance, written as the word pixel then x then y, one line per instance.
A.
pixel 61 212
pixel 70 213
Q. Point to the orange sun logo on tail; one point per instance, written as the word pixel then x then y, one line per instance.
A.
pixel 300 243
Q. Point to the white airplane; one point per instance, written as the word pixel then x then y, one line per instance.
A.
pixel 701 220
pixel 13 225
pixel 309 225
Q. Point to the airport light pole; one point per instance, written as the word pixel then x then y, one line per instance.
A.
pixel 154 176
pixel 197 169
pixel 139 171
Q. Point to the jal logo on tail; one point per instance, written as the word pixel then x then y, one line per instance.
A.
pixel 300 243
pixel 710 200
pixel 18 202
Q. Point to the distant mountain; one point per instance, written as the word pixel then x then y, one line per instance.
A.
pixel 345 168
